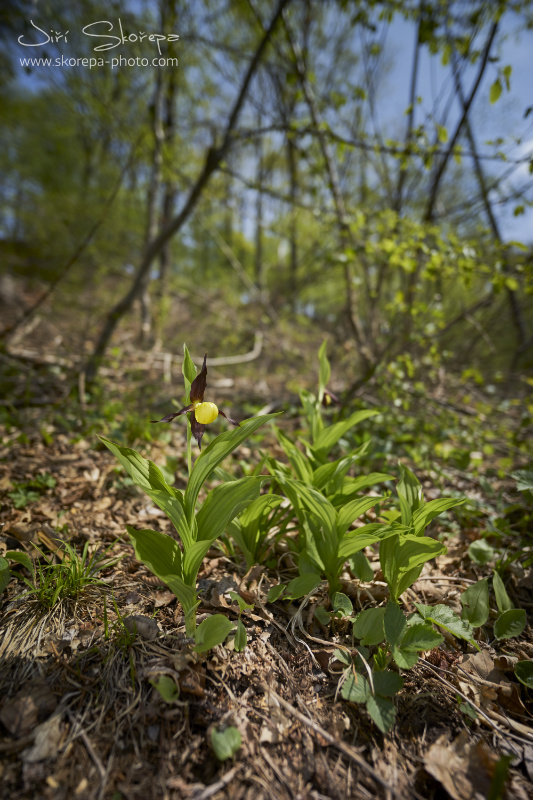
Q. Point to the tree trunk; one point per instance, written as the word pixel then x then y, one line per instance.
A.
pixel 212 161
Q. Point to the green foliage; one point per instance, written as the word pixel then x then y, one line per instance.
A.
pixel 375 692
pixel 225 743
pixel 197 529
pixel 524 673
pixel 167 688
pixel 67 580
pixel 31 491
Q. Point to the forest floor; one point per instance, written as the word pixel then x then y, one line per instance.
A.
pixel 80 716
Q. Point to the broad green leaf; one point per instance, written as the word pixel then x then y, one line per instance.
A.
pixel 423 515
pixel 192 560
pixel 475 602
pixel 361 567
pixel 149 478
pixel 241 638
pixel 334 470
pixel 394 623
pixel 368 626
pixel 414 551
pixel 404 658
pixel 382 712
pixel 324 370
pixel 318 505
pixel 323 616
pixel 329 437
pixel 241 602
pixel 386 683
pixel 188 370
pixel 503 601
pixel 524 481
pixel 167 688
pixel 302 585
pixel 299 462
pixel 343 656
pixel 410 494
pixel 340 602
pixel 275 592
pixel 162 555
pixel 5 575
pixel 481 551
pixel 348 513
pixel 421 637
pixel 402 558
pixel 510 624
pixel 354 485
pixel 365 536
pixel 524 673
pixel 214 453
pixel 21 558
pixel 444 617
pixel 223 503
pixel 211 632
pixel 355 688
pixel 225 743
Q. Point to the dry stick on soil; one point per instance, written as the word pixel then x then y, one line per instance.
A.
pixel 344 748
pixel 209 791
pixel 503 734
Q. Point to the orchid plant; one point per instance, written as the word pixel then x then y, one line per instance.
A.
pixel 197 527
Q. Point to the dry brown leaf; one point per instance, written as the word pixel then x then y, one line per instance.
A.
pixel 33 703
pixel 465 767
pixel 48 738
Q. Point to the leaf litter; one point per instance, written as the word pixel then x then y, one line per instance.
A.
pixel 82 716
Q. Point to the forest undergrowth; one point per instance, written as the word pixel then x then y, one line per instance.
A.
pixel 324 601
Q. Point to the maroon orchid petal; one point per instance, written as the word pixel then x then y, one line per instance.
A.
pixel 198 385
pixel 329 398
pixel 170 417
pixel 197 430
pixel 237 424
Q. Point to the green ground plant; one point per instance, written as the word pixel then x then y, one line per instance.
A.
pixel 197 528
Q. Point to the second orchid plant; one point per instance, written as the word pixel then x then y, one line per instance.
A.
pixel 197 527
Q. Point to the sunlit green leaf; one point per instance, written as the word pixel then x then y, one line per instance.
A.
pixel 510 624
pixel 475 602
pixel 524 673
pixel 167 688
pixel 503 601
pixel 394 623
pixel 355 688
pixel 240 637
pixel 212 632
pixel 302 585
pixel 382 712
pixel 225 743
pixel 368 626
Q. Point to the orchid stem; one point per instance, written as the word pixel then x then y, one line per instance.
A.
pixel 189 445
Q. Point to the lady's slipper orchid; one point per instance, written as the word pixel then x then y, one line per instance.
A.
pixel 329 398
pixel 202 414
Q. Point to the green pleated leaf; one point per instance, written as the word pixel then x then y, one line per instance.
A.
pixel 299 462
pixel 365 536
pixel 212 632
pixel 353 486
pixel 214 453
pixel 149 478
pixel 421 637
pixel 334 470
pixel 318 505
pixel 510 624
pixel 353 509
pixel 163 557
pixel 223 503
pixel 409 493
pixel 475 602
pixel 329 437
pixel 423 516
